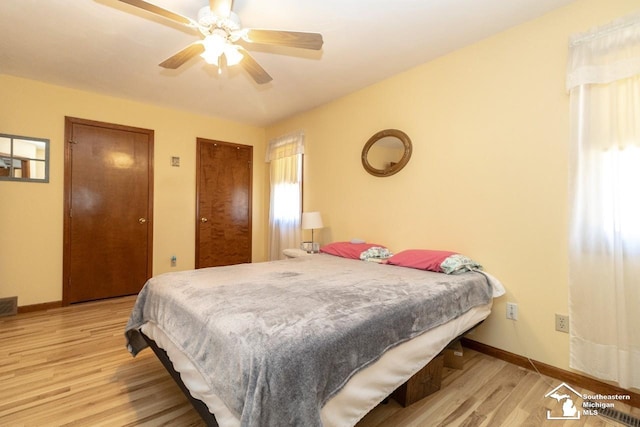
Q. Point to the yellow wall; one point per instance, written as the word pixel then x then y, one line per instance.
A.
pixel 488 175
pixel 31 220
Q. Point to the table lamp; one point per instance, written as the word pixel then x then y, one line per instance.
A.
pixel 311 221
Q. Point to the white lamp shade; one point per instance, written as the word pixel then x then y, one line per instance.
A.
pixel 213 47
pixel 232 54
pixel 311 220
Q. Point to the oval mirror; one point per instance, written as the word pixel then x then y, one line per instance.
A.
pixel 386 152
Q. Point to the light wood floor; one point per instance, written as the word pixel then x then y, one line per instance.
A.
pixel 69 367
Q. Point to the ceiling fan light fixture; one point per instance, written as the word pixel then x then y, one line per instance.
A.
pixel 214 46
pixel 210 57
pixel 232 54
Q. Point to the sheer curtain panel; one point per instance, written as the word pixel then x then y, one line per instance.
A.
pixel 285 207
pixel 604 242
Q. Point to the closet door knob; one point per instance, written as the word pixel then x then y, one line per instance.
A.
pixel 203 220
pixel 142 220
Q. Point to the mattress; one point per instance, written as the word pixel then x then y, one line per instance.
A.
pixel 362 392
pixel 277 342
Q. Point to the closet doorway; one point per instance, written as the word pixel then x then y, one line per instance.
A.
pixel 108 210
pixel 223 207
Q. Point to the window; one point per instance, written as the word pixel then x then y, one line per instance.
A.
pixel 286 194
pixel 285 207
pixel 604 241
pixel 621 211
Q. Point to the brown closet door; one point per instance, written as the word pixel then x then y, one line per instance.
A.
pixel 108 210
pixel 223 188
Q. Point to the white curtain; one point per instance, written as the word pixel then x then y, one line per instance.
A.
pixel 285 207
pixel 604 243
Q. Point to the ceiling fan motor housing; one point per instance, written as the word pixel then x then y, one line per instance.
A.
pixel 209 21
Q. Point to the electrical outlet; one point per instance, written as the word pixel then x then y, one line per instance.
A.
pixel 512 311
pixel 174 261
pixel 562 323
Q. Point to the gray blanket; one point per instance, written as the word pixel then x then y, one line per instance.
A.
pixel 276 340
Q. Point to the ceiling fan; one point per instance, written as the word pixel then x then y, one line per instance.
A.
pixel 220 28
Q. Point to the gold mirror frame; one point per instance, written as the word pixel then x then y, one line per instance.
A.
pixel 394 168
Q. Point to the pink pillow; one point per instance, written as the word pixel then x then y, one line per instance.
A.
pixel 347 249
pixel 422 259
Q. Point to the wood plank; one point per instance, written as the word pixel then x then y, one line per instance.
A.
pixel 569 377
pixel 69 366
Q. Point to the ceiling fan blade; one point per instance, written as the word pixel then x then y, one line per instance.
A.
pixel 221 8
pixel 285 38
pixel 254 69
pixel 160 11
pixel 183 56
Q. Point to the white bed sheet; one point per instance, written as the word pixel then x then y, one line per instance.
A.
pixel 363 391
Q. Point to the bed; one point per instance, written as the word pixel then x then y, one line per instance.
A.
pixel 311 341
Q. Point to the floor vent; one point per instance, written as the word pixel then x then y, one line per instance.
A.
pixel 619 416
pixel 9 306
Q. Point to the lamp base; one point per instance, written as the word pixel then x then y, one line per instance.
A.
pixel 310 247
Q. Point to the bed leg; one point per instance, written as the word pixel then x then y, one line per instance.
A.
pixel 422 384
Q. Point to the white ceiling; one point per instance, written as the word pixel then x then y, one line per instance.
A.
pixel 109 47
